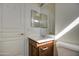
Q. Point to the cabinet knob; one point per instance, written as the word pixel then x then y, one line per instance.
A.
pixel 22 34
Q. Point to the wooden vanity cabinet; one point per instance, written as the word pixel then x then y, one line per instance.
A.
pixel 41 49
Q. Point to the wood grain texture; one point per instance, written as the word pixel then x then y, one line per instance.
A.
pixel 41 49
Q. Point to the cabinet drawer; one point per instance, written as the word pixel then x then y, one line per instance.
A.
pixel 46 50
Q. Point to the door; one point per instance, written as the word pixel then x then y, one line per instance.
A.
pixel 0 20
pixel 12 25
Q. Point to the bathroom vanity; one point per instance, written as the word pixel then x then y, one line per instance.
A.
pixel 41 38
pixel 44 47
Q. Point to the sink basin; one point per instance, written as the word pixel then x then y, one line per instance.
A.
pixel 48 36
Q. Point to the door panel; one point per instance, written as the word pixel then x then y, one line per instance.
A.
pixel 0 20
pixel 12 42
pixel 12 48
pixel 12 18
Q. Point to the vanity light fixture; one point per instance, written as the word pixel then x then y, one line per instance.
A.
pixel 68 28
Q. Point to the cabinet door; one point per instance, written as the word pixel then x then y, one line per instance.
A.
pixel 12 41
pixel 33 50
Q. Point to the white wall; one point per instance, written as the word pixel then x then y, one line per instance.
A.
pixel 50 7
pixel 64 15
pixel 66 52
pixel 51 26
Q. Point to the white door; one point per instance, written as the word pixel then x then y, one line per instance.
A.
pixel 0 21
pixel 12 33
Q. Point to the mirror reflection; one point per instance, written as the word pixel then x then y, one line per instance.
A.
pixel 35 19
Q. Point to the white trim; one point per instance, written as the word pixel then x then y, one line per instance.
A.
pixel 68 45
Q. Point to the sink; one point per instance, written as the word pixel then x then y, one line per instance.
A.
pixel 50 36
pixel 47 36
pixel 40 39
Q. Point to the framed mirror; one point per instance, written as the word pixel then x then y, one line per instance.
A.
pixel 38 19
pixel 35 17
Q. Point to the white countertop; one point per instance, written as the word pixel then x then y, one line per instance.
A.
pixel 40 39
